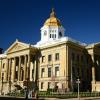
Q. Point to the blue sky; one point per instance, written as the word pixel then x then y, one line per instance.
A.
pixel 22 19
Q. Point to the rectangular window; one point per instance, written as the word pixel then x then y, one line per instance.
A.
pixel 49 57
pixel 49 85
pixel 3 65
pixel 55 35
pixel 57 71
pixel 56 83
pixel 43 59
pixel 57 56
pixel 52 31
pixel 42 85
pixel 49 72
pixel 42 72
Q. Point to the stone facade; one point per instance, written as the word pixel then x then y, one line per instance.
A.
pixel 55 61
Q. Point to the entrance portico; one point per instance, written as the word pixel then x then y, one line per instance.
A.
pixel 20 64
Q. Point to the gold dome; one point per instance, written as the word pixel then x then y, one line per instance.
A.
pixel 52 21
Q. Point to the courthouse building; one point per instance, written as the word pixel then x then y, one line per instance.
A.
pixel 56 61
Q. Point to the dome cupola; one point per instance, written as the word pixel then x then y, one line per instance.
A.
pixel 52 29
pixel 52 21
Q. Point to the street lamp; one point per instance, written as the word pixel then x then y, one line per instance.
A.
pixel 78 83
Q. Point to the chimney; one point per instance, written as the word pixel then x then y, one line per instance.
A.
pixel 1 50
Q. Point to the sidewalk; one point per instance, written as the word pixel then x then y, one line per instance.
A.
pixel 86 98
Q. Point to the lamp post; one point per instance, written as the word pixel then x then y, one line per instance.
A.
pixel 78 83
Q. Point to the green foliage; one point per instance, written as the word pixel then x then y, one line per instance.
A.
pixel 16 93
pixel 52 94
pixel 22 91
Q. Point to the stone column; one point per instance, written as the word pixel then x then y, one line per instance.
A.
pixel 0 67
pixel 67 73
pixel 31 68
pixel 9 75
pixel 93 75
pixel 25 65
pixel 35 70
pixel 19 69
pixel 93 69
pixel 12 69
pixel 28 67
pixel 7 70
pixel 14 66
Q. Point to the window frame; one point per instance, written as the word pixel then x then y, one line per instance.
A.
pixel 58 70
pixel 49 75
pixel 57 57
pixel 42 83
pixel 49 57
pixel 43 59
pixel 42 72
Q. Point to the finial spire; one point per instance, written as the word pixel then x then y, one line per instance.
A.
pixel 16 40
pixel 53 14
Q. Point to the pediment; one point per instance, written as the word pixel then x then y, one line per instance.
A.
pixel 17 46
